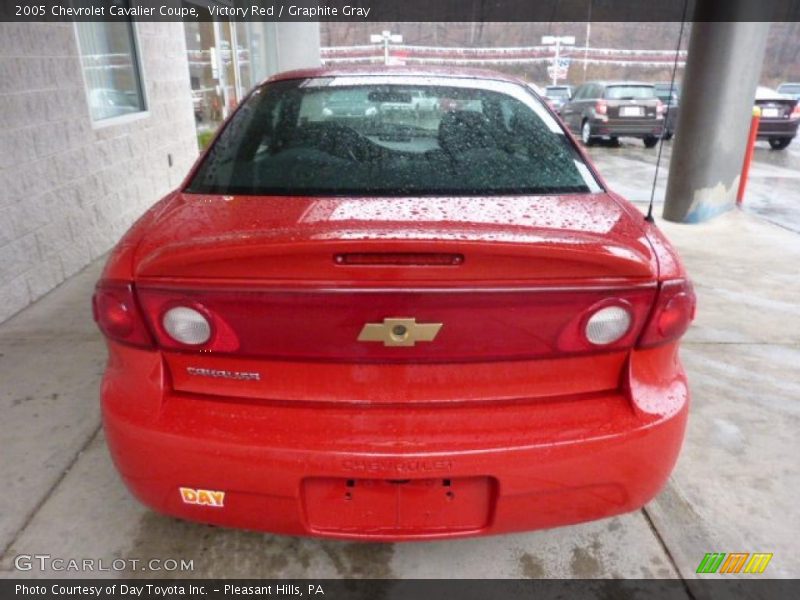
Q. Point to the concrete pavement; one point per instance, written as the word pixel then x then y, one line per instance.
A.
pixel 771 192
pixel 734 489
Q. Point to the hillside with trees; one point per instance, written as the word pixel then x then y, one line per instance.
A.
pixel 781 63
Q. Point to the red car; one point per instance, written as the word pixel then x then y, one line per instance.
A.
pixel 396 330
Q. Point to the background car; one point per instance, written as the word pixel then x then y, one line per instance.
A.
pixel 790 89
pixel 615 109
pixel 558 95
pixel 351 103
pixel 412 101
pixel 669 95
pixel 780 116
pixel 540 92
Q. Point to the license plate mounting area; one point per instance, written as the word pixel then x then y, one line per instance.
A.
pixel 406 506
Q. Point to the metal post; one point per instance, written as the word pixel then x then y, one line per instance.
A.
pixel 222 75
pixel 748 154
pixel 385 37
pixel 557 65
pixel 237 74
pixel 722 71
pixel 586 45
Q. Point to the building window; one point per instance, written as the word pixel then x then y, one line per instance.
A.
pixel 111 69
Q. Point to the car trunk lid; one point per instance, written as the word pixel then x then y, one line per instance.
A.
pixel 365 241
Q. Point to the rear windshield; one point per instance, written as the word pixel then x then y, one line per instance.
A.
pixel 665 96
pixel 625 92
pixel 789 89
pixel 557 92
pixel 315 137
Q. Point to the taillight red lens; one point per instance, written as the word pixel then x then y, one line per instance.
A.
pixel 660 108
pixel 673 313
pixel 117 314
pixel 796 111
pixel 182 322
pixel 601 108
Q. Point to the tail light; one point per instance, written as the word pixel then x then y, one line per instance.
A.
pixel 186 325
pixel 479 325
pixel 118 315
pixel 796 111
pixel 660 108
pixel 672 314
pixel 608 325
pixel 183 322
pixel 601 108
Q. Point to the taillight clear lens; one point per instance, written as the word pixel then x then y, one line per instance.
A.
pixel 186 325
pixel 672 314
pixel 660 108
pixel 601 108
pixel 608 325
pixel 117 314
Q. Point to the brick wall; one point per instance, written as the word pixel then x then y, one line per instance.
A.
pixel 69 190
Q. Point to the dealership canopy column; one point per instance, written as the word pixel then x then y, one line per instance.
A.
pixel 277 47
pixel 722 72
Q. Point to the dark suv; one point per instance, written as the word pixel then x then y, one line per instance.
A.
pixel 615 109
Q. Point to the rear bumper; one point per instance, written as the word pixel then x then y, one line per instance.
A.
pixel 396 472
pixel 627 128
pixel 783 128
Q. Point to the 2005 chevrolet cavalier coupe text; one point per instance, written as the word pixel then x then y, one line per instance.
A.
pixel 392 325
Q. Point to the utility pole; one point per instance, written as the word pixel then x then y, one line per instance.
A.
pixel 385 37
pixel 557 40
pixel 586 45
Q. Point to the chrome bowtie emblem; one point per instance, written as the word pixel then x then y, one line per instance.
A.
pixel 399 332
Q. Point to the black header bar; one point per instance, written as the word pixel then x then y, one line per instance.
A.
pixel 751 586
pixel 400 10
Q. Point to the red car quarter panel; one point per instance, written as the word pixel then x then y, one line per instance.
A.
pixel 359 320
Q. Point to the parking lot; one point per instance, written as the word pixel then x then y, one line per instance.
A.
pixel 733 489
pixel 771 189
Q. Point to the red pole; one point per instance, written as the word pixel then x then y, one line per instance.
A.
pixel 748 154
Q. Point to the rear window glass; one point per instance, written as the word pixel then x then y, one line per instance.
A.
pixel 789 89
pixel 665 96
pixel 557 92
pixel 311 137
pixel 625 92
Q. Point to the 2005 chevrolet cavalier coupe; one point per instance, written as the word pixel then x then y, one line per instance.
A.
pixel 390 325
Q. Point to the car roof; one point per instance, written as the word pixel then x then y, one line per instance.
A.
pixel 408 71
pixel 622 82
pixel 765 93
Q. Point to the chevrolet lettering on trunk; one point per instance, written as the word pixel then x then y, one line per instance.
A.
pixel 362 322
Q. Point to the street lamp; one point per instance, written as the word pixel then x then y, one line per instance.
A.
pixel 385 37
pixel 557 40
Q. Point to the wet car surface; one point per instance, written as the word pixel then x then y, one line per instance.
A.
pixel 390 329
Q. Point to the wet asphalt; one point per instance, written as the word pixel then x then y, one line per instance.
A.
pixel 772 192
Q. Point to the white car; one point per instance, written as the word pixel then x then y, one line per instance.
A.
pixel 418 102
